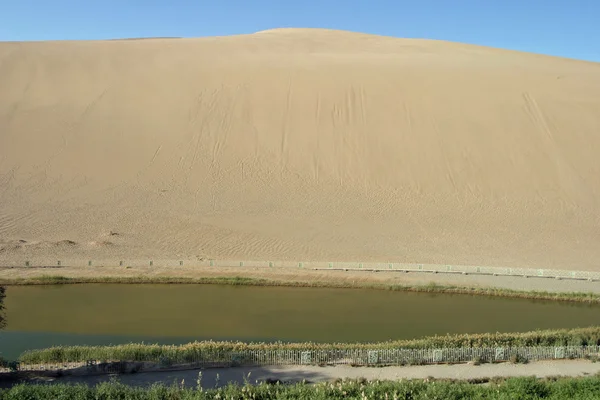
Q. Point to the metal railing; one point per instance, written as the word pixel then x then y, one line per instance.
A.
pixel 315 265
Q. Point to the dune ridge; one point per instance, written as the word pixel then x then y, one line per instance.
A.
pixel 299 144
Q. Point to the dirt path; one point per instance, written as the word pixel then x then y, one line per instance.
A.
pixel 306 275
pixel 572 368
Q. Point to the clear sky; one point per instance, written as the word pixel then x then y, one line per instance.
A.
pixel 568 28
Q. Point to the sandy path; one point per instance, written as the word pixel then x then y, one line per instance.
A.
pixel 319 374
pixel 304 275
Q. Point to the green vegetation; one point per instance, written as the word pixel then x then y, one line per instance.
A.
pixel 3 362
pixel 512 388
pixel 63 280
pixel 2 296
pixel 580 297
pixel 217 350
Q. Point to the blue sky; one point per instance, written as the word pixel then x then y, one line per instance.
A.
pixel 567 28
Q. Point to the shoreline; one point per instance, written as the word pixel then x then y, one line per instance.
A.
pixel 588 297
pixel 532 345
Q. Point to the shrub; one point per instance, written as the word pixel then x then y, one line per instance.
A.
pixel 518 359
pixel 476 360
pixel 220 351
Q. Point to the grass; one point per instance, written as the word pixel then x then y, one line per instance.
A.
pixel 218 351
pixel 63 280
pixel 578 297
pixel 513 388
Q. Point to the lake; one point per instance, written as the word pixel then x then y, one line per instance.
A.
pixel 94 314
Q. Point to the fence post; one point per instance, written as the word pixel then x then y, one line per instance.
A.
pixel 373 357
pixel 499 356
pixel 305 357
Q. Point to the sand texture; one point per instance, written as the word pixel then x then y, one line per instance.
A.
pixel 299 145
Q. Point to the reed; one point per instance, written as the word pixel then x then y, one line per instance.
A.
pixel 578 297
pixel 217 351
pixel 511 388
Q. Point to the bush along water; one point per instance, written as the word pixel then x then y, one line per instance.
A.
pixel 222 351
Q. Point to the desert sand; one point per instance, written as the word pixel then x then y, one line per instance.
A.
pixel 299 144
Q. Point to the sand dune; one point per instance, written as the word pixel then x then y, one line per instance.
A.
pixel 299 144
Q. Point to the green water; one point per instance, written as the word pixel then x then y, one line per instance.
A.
pixel 41 316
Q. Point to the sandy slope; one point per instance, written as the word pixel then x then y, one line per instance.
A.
pixel 299 144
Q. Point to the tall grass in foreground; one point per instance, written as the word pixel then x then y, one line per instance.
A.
pixel 578 297
pixel 513 388
pixel 216 350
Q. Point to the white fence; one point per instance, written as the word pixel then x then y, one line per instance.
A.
pixel 355 357
pixel 317 265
